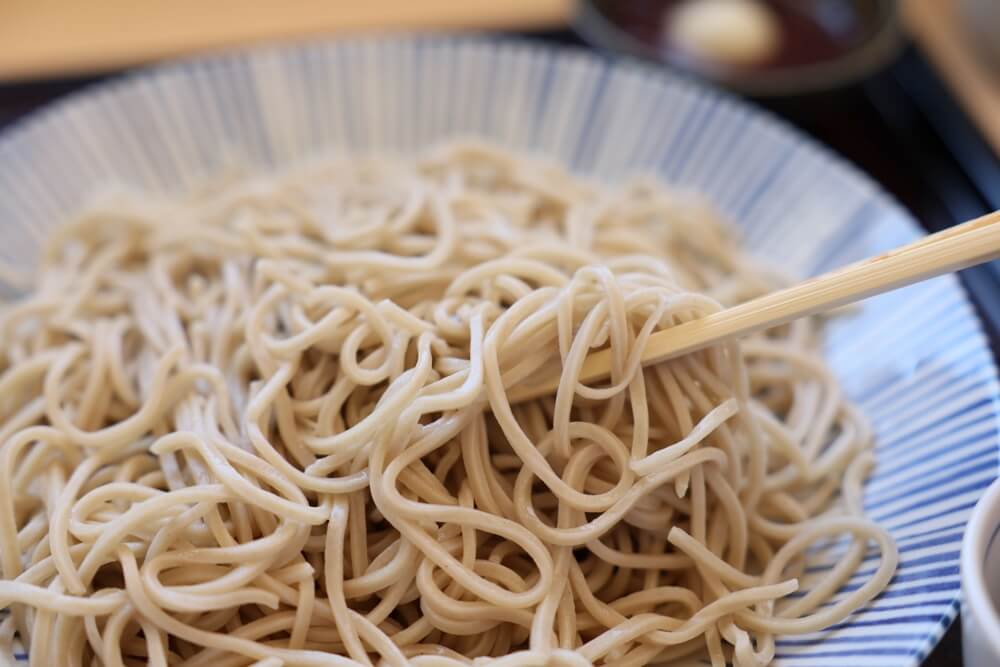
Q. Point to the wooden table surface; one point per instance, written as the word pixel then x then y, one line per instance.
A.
pixel 938 28
pixel 69 37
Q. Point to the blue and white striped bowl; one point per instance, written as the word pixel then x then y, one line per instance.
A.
pixel 916 359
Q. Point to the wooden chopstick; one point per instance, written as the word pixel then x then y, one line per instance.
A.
pixel 953 249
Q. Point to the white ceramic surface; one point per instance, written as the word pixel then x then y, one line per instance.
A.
pixel 915 360
pixel 981 583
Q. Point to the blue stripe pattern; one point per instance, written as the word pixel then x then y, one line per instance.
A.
pixel 915 359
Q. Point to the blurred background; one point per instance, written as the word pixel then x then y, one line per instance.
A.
pixel 909 91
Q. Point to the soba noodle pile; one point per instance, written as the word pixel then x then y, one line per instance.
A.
pixel 272 423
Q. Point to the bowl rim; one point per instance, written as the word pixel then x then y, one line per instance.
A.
pixel 981 533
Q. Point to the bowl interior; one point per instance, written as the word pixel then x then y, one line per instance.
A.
pixel 873 38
